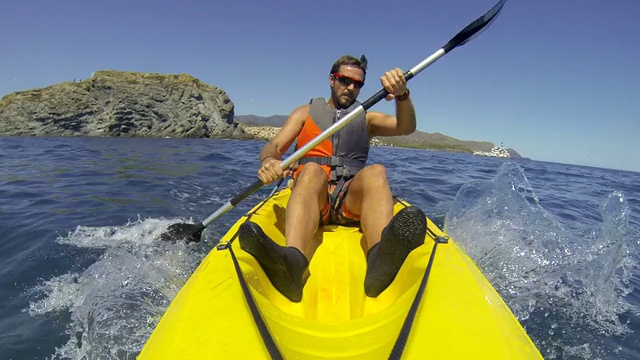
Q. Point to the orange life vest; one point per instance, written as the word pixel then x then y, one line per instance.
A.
pixel 344 153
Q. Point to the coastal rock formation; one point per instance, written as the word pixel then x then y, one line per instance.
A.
pixel 262 132
pixel 418 139
pixel 117 103
pixel 266 128
pixel 269 132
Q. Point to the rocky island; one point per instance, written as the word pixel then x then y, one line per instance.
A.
pixel 118 103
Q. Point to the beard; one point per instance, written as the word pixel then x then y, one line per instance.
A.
pixel 343 99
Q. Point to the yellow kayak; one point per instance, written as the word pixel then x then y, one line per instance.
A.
pixel 439 306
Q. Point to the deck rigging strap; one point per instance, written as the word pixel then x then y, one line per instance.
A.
pixel 401 342
pixel 271 345
pixel 268 340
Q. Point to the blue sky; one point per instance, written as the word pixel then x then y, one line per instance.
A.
pixel 553 79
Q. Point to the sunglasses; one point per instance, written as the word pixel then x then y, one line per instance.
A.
pixel 347 81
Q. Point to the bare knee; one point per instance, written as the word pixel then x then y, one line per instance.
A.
pixel 375 176
pixel 312 175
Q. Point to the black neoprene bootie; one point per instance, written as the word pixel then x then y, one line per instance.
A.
pixel 283 265
pixel 405 232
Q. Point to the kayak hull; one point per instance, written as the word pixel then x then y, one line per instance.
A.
pixel 460 315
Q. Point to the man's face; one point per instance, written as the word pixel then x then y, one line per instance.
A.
pixel 345 85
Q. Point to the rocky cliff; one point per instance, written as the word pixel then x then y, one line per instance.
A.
pixel 116 103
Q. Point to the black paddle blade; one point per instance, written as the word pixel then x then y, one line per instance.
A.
pixel 184 232
pixel 473 29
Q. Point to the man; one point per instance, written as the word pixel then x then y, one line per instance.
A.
pixel 333 185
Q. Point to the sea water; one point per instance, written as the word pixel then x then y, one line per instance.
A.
pixel 83 274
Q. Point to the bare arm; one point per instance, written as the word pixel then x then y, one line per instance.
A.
pixel 404 123
pixel 272 151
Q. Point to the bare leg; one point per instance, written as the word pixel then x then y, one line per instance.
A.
pixel 390 238
pixel 303 211
pixel 370 197
pixel 286 266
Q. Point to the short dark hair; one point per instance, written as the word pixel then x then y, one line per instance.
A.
pixel 350 61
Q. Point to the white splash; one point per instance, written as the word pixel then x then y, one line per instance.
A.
pixel 115 303
pixel 573 280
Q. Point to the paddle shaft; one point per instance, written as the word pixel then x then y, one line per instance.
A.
pixel 459 39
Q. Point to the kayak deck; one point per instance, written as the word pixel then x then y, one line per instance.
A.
pixel 460 314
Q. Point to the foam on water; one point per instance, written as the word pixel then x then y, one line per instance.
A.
pixel 115 303
pixel 572 281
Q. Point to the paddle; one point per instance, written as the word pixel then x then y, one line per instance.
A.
pixel 193 232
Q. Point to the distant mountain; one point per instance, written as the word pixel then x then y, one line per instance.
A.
pixel 419 139
pixel 274 120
